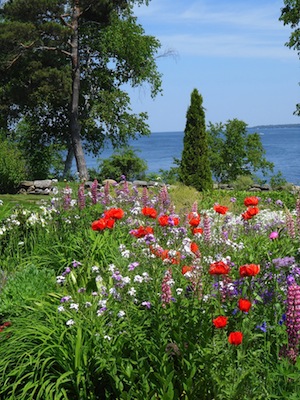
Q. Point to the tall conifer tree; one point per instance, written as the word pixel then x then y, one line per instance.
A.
pixel 194 167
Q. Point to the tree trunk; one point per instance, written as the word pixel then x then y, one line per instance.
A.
pixel 68 161
pixel 74 122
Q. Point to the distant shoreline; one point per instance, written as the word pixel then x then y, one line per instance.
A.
pixel 275 126
pixel 280 126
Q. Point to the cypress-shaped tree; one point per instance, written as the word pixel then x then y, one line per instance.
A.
pixel 194 166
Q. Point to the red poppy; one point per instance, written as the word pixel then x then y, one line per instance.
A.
pixel 99 225
pixel 103 223
pixel 252 211
pixel 196 231
pixel 186 269
pixel 249 270
pixel 163 220
pixel 219 268
pixel 141 231
pixel 115 213
pixel 194 219
pixel 220 209
pixel 110 223
pixel 235 338
pixel 220 322
pixel 149 212
pixel 246 216
pixel 244 305
pixel 251 201
pixel 166 220
pixel 195 249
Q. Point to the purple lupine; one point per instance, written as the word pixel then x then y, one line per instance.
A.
pixel 298 214
pixel 145 197
pixel 293 321
pixel 164 198
pixel 290 224
pixel 125 186
pixel 94 191
pixel 67 197
pixel 195 207
pixel 166 295
pixel 81 197
pixel 207 228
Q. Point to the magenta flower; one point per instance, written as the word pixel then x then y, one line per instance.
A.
pixel 274 235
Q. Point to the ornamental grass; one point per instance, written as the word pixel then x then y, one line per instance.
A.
pixel 121 294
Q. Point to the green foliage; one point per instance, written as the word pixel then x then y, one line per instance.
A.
pixel 123 162
pixel 194 167
pixel 234 152
pixel 24 285
pixel 277 181
pixel 243 182
pixel 36 77
pixel 12 167
pixel 290 15
pixel 43 160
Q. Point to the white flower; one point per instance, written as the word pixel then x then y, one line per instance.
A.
pixel 74 306
pixel 60 279
pixel 88 304
pixel 95 269
pixel 111 267
pixel 102 303
pixel 107 337
pixel 60 308
pixel 179 291
pixel 132 291
pixel 126 280
pixel 125 253
pixel 138 279
pixel 121 314
pixel 70 322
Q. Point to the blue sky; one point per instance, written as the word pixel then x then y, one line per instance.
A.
pixel 232 51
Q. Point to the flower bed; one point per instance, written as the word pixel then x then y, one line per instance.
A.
pixel 150 303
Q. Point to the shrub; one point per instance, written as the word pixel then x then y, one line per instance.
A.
pixel 124 162
pixel 12 167
pixel 243 182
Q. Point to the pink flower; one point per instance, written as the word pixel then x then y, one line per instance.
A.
pixel 274 235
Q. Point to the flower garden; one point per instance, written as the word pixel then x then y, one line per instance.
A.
pixel 116 294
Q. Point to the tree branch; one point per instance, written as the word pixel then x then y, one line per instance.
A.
pixel 53 49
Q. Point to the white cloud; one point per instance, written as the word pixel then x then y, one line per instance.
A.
pixel 218 28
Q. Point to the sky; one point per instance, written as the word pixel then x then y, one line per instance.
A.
pixel 232 51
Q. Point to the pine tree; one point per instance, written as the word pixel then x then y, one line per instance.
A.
pixel 194 166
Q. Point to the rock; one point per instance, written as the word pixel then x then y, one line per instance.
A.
pixel 26 184
pixel 110 181
pixel 43 184
pixel 140 183
pixel 265 187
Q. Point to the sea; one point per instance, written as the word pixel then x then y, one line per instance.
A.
pixel 281 143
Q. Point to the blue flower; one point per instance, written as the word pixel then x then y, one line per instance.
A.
pixel 262 327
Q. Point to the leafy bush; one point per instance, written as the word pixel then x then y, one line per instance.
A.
pixel 277 181
pixel 12 167
pixel 123 162
pixel 243 182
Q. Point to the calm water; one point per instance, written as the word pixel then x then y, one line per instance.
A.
pixel 282 145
